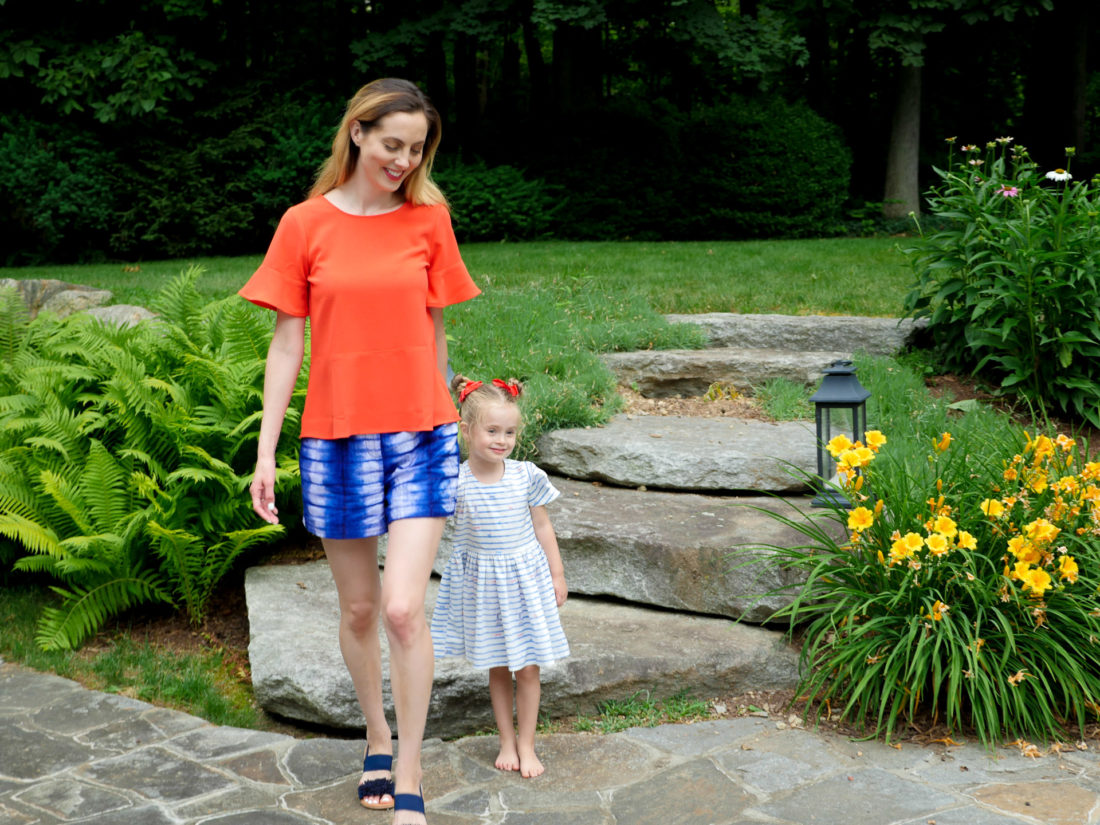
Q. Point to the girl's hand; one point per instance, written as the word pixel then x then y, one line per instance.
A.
pixel 561 592
pixel 262 489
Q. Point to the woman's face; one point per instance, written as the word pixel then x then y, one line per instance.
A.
pixel 390 151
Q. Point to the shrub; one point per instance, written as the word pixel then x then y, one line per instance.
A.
pixel 58 198
pixel 962 584
pixel 743 169
pixel 1010 282
pixel 495 203
pixel 125 454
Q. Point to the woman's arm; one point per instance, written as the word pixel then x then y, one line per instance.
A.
pixel 544 532
pixel 440 340
pixel 284 361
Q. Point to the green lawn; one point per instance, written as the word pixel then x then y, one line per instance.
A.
pixel 833 276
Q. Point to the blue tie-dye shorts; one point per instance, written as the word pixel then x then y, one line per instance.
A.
pixel 354 487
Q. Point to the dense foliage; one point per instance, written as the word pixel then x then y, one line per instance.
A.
pixel 125 454
pixel 135 129
pixel 1009 283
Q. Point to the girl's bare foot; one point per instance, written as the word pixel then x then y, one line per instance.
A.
pixel 508 758
pixel 529 764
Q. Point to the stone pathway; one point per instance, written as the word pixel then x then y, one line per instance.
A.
pixel 70 755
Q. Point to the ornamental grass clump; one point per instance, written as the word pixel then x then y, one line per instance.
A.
pixel 963 590
pixel 1009 282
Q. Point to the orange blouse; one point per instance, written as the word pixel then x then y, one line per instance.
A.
pixel 366 283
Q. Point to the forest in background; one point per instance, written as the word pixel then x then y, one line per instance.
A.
pixel 134 129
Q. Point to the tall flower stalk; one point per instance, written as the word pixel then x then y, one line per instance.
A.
pixel 1010 281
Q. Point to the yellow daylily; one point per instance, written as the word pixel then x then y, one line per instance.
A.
pixel 991 507
pixel 1067 568
pixel 860 519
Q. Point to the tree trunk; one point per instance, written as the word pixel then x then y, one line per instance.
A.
pixel 902 194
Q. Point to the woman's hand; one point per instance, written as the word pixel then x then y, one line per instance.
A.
pixel 262 489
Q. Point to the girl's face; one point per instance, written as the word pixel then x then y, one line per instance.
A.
pixel 492 438
pixel 390 151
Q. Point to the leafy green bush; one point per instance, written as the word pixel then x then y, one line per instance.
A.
pixel 743 169
pixel 125 453
pixel 1010 284
pixel 962 584
pixel 495 203
pixel 58 196
pixel 773 169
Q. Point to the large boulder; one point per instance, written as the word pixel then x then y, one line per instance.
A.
pixel 122 315
pixel 686 552
pixel 298 672
pixel 668 372
pixel 840 333
pixel 58 297
pixel 685 453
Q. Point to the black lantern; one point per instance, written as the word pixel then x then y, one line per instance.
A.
pixel 840 401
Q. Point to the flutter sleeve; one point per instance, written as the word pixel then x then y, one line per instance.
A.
pixel 539 489
pixel 282 282
pixel 448 280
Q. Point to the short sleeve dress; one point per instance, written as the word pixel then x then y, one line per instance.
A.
pixel 496 603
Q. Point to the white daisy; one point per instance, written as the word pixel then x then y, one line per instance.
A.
pixel 1059 174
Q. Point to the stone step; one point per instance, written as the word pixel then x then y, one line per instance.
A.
pixel 686 372
pixel 298 672
pixel 714 455
pixel 809 333
pixel 680 551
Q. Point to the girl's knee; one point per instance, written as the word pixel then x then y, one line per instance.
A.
pixel 527 675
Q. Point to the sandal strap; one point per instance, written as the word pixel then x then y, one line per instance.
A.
pixel 409 802
pixel 377 762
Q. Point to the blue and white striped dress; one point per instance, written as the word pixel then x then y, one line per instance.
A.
pixel 496 603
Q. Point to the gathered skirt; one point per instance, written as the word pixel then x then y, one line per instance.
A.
pixel 498 610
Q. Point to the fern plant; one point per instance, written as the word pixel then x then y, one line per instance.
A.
pixel 125 454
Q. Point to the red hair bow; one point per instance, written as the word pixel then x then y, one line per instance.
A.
pixel 468 388
pixel 511 389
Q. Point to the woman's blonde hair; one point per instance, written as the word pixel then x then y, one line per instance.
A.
pixel 473 396
pixel 369 105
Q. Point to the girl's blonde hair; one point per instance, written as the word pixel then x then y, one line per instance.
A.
pixel 369 105
pixel 474 396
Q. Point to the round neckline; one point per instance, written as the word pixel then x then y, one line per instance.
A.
pixel 397 208
pixel 473 475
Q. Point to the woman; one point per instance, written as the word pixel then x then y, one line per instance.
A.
pixel 372 260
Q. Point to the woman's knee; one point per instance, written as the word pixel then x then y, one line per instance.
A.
pixel 403 618
pixel 360 616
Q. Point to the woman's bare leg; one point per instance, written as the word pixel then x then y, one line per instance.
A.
pixel 354 565
pixel 500 693
pixel 410 554
pixel 528 694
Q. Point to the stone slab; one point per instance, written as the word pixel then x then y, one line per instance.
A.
pixel 842 333
pixel 682 372
pixel 686 453
pixel 298 672
pixel 682 551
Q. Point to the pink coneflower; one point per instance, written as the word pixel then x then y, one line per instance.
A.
pixel 1009 191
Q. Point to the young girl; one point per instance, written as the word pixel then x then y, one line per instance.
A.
pixel 504 582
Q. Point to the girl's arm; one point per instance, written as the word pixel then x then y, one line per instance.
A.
pixel 544 532
pixel 440 340
pixel 284 361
